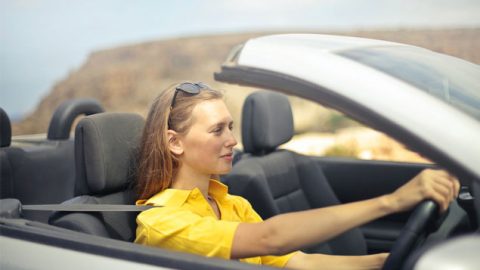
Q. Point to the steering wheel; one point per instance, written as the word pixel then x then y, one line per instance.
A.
pixel 419 224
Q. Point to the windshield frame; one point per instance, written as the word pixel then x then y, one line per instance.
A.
pixel 449 79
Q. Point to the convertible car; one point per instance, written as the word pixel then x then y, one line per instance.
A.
pixel 69 201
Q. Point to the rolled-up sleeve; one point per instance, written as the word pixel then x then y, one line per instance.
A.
pixel 177 229
pixel 250 215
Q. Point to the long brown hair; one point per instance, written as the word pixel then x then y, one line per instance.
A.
pixel 157 166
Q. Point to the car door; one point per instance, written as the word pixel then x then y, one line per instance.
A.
pixel 354 180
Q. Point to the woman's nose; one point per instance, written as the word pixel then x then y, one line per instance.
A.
pixel 231 141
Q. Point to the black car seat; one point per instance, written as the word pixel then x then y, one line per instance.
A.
pixel 42 171
pixel 6 172
pixel 5 129
pixel 105 151
pixel 279 181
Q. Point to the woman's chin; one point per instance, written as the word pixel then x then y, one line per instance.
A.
pixel 224 170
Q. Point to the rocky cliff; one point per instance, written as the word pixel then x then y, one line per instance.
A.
pixel 128 78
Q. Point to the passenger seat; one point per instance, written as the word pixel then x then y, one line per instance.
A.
pixel 105 153
pixel 278 181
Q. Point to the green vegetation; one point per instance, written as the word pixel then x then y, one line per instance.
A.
pixel 342 150
pixel 336 121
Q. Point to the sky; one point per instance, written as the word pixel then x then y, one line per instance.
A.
pixel 42 41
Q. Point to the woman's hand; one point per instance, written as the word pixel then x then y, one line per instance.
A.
pixel 437 185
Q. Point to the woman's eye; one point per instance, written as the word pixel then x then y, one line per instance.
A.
pixel 217 130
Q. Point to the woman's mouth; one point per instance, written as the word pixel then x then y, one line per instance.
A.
pixel 228 157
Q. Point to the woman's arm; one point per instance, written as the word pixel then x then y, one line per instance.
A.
pixel 288 232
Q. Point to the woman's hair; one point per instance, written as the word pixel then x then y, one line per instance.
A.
pixel 157 166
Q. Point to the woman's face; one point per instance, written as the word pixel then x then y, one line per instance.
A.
pixel 208 145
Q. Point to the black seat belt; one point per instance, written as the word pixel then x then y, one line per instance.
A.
pixel 86 207
pixel 12 208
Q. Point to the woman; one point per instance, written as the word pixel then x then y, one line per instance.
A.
pixel 188 141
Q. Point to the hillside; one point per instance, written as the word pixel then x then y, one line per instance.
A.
pixel 128 78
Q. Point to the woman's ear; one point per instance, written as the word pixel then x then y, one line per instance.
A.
pixel 174 143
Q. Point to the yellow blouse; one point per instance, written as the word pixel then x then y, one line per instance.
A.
pixel 187 223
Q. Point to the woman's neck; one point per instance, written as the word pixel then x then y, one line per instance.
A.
pixel 188 180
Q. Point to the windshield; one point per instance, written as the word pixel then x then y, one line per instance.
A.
pixel 450 79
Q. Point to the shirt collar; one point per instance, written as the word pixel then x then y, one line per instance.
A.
pixel 217 190
pixel 177 197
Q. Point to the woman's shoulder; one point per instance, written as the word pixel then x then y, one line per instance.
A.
pixel 244 209
pixel 167 197
pixel 157 212
pixel 239 201
pixel 165 215
pixel 167 206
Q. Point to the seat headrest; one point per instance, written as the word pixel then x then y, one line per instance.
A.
pixel 5 129
pixel 267 122
pixel 105 152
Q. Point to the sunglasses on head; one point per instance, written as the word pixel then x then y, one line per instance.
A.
pixel 189 88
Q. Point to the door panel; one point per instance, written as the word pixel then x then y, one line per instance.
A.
pixel 354 180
